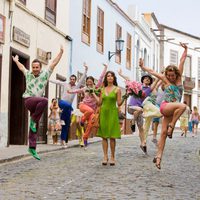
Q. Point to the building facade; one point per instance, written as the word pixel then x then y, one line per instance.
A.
pixel 31 29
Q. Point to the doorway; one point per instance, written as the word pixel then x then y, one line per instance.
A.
pixel 18 114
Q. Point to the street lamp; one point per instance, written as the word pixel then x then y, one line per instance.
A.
pixel 119 47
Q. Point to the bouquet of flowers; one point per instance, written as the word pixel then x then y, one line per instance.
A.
pixel 97 91
pixel 134 88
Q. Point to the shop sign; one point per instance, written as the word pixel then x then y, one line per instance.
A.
pixel 21 37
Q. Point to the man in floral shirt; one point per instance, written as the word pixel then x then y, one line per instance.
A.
pixel 36 81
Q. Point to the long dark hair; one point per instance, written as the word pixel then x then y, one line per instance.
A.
pixel 91 78
pixel 105 82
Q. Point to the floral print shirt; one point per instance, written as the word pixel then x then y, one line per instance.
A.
pixel 35 86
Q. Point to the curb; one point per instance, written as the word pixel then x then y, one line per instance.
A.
pixel 15 158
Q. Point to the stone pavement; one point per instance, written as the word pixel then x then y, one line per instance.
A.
pixel 15 152
pixel 75 173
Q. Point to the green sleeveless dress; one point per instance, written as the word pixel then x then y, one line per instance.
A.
pixel 109 121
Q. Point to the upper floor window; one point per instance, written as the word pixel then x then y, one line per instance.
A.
pixel 118 36
pixel 188 67
pixel 128 51
pixel 50 11
pixel 23 1
pixel 173 57
pixel 100 30
pixel 86 21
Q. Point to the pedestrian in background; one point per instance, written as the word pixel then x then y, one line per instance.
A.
pixel 190 122
pixel 184 120
pixel 195 121
pixel 54 127
pixel 36 81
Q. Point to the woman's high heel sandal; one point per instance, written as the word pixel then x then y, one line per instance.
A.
pixel 169 133
pixel 155 160
pixel 112 163
pixel 105 162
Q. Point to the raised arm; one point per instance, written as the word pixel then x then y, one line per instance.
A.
pixel 152 72
pixel 154 84
pixel 56 59
pixel 100 81
pixel 76 91
pixel 183 58
pixel 19 65
pixel 123 76
pixel 83 77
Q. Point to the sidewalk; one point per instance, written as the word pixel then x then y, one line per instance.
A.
pixel 15 152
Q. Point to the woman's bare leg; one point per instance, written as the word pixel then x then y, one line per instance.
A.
pixel 105 149
pixel 112 148
pixel 155 129
pixel 162 139
pixel 175 110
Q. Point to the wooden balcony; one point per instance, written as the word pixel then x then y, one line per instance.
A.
pixel 188 83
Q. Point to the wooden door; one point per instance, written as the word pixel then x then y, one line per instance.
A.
pixel 18 114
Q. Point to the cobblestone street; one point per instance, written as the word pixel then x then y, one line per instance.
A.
pixel 76 173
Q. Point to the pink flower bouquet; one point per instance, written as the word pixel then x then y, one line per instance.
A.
pixel 134 88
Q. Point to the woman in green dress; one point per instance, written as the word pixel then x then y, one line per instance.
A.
pixel 109 122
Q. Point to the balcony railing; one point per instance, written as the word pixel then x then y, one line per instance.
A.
pixel 188 83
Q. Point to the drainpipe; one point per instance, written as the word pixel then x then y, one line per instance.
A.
pixel 11 11
pixel 11 7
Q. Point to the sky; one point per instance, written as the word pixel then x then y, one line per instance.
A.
pixel 183 15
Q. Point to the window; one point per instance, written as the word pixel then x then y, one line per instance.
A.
pixel 188 67
pixel 86 21
pixel 128 51
pixel 50 11
pixel 199 68
pixel 100 30
pixel 23 1
pixel 173 57
pixel 118 36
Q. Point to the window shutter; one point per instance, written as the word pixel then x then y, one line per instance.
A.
pixel 173 57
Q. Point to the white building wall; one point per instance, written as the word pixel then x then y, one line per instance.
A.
pixel 88 53
pixel 142 40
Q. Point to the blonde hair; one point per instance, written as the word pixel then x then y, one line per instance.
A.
pixel 172 68
pixel 195 110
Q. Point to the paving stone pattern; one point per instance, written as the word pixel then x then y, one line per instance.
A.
pixel 76 173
